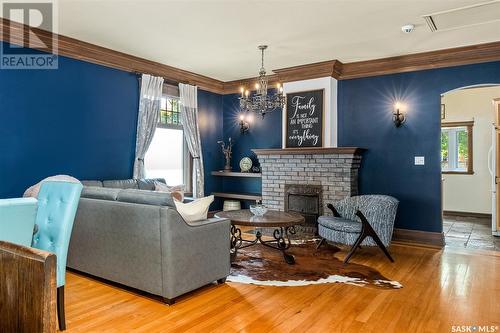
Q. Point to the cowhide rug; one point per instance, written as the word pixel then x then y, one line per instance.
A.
pixel 260 265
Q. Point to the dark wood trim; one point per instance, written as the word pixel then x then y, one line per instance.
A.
pixel 237 174
pixel 424 238
pixel 310 151
pixel 467 214
pixel 233 87
pixel 465 55
pixel 80 50
pixel 316 70
pixel 457 123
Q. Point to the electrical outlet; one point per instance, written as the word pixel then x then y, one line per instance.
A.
pixel 419 160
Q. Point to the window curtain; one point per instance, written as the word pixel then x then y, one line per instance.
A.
pixel 147 120
pixel 189 118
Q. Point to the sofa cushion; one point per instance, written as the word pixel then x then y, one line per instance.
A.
pixel 146 197
pixel 149 184
pixel 339 224
pixel 124 184
pixel 95 183
pixel 196 210
pixel 93 192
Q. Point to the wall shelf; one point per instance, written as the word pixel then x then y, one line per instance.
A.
pixel 238 196
pixel 237 174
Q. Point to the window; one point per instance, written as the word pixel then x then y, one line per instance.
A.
pixel 456 148
pixel 168 156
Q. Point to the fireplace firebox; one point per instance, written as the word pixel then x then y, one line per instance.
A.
pixel 306 200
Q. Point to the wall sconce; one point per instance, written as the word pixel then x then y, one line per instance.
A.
pixel 244 125
pixel 398 116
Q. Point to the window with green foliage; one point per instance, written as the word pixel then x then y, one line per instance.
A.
pixel 169 111
pixel 456 148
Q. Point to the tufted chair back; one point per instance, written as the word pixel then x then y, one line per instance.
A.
pixel 17 219
pixel 57 204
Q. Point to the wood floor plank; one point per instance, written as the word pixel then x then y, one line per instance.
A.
pixel 441 288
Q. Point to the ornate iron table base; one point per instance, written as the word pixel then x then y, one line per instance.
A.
pixel 281 242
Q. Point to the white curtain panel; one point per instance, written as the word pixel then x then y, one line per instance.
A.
pixel 189 118
pixel 149 112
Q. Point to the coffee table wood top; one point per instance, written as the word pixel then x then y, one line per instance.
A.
pixel 272 218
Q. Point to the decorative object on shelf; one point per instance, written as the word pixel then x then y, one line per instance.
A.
pixel 261 102
pixel 443 111
pixel 245 164
pixel 398 117
pixel 256 169
pixel 244 124
pixel 227 151
pixel 231 205
pixel 258 209
pixel 304 119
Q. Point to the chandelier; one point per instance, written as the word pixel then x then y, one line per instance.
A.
pixel 261 102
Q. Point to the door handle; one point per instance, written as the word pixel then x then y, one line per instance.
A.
pixel 496 180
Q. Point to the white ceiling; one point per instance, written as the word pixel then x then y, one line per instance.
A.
pixel 219 38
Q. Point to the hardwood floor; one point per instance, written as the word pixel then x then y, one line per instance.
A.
pixel 441 288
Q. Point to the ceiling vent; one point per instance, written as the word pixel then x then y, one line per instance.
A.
pixel 464 16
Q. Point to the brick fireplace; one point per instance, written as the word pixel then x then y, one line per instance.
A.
pixel 293 179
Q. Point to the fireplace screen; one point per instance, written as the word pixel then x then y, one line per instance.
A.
pixel 305 199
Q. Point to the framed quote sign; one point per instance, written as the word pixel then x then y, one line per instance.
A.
pixel 304 119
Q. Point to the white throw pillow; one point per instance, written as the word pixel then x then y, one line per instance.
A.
pixel 33 190
pixel 176 191
pixel 196 210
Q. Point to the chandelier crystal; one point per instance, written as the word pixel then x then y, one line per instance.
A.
pixel 261 102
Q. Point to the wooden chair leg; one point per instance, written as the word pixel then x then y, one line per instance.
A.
pixel 356 244
pixel 61 318
pixel 370 232
pixel 320 243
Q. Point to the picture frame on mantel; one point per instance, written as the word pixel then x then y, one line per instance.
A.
pixel 305 119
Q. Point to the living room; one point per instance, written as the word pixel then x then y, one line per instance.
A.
pixel 234 166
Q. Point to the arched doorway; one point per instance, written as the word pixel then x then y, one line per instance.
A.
pixel 467 160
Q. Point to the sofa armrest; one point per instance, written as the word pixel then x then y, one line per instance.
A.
pixel 193 254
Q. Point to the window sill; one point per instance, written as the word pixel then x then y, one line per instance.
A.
pixel 457 172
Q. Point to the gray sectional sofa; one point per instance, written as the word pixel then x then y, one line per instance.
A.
pixel 126 233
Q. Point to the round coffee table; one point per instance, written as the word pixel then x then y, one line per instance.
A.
pixel 283 222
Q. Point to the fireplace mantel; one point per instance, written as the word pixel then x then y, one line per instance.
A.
pixel 310 151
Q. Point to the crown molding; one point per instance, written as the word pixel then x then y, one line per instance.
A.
pixel 464 55
pixel 80 50
pixel 13 32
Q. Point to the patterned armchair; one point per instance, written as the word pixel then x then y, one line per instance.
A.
pixel 356 218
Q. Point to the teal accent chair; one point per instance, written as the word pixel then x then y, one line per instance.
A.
pixel 57 205
pixel 17 220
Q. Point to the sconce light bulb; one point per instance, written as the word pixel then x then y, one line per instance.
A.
pixel 247 93
pixel 278 86
pixel 281 89
pixel 242 90
pixel 242 117
pixel 397 106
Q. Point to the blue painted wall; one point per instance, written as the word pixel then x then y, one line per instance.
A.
pixel 365 120
pixel 79 120
pixel 210 123
pixel 263 133
pixel 365 110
